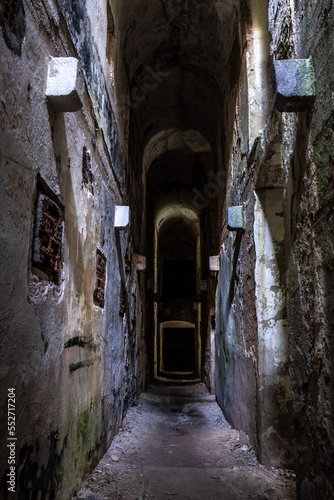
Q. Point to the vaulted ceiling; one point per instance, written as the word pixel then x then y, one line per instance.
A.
pixel 177 63
pixel 177 56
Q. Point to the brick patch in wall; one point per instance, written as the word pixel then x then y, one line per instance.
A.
pixel 48 235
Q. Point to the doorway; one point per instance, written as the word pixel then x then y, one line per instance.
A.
pixel 177 304
pixel 178 347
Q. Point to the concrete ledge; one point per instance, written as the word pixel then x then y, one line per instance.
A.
pixel 235 218
pixel 293 82
pixel 65 84
pixel 214 263
pixel 122 217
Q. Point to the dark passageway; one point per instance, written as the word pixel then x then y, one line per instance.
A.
pixel 167 239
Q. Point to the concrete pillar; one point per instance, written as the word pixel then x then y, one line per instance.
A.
pixel 257 69
pixel 275 425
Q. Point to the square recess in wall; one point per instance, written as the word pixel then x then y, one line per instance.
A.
pixel 48 235
pixel 101 266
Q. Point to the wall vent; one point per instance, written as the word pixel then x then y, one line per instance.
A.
pixel 48 235
pixel 101 266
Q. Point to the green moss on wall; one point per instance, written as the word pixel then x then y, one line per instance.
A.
pixel 86 436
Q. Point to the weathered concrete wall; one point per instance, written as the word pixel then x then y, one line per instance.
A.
pixel 236 324
pixel 206 69
pixel 74 365
pixel 304 30
pixel 275 426
pixel 252 378
pixel 281 170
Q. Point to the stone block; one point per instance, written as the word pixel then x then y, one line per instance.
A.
pixel 235 218
pixel 122 217
pixel 65 84
pixel 214 263
pixel 140 262
pixel 293 82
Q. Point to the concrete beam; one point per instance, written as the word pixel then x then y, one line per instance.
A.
pixel 293 82
pixel 214 263
pixel 65 84
pixel 235 218
pixel 122 217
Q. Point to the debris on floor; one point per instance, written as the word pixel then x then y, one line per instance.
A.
pixel 176 444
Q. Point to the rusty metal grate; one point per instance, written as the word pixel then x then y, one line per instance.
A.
pixel 10 11
pixel 48 235
pixel 101 264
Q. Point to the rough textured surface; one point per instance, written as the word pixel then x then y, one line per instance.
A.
pixel 293 84
pixel 235 218
pixel 175 443
pixel 72 362
pixel 307 146
pixel 177 124
pixel 65 85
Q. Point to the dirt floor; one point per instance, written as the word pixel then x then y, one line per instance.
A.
pixel 176 444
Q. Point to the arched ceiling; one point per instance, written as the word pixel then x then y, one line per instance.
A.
pixel 177 63
pixel 175 168
pixel 176 55
pixel 173 139
pixel 176 221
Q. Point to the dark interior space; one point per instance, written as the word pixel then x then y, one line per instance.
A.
pixel 179 271
pixel 179 349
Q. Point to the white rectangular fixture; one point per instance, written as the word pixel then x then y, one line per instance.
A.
pixel 214 263
pixel 122 217
pixel 65 84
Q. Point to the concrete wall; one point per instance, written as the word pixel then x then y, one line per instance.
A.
pixel 237 383
pixel 74 365
pixel 307 152
pixel 281 171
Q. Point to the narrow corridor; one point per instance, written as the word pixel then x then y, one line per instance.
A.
pixel 176 444
pixel 166 234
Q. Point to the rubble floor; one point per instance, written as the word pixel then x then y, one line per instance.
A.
pixel 175 443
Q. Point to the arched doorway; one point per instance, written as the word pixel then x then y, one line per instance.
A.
pixel 177 302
